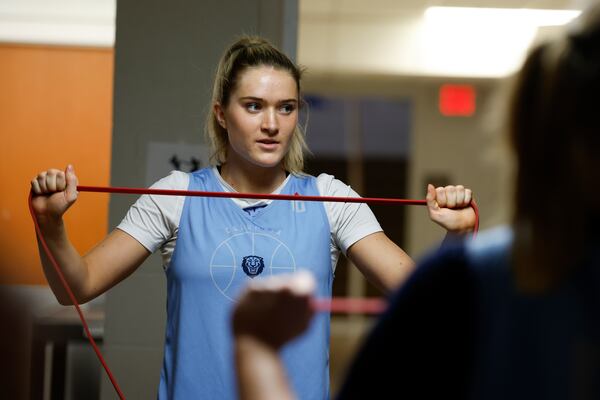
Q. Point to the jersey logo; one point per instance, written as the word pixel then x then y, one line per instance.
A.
pixel 253 265
pixel 298 206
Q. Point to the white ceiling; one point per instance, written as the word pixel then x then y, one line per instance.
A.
pixel 386 7
pixel 395 37
pixel 372 36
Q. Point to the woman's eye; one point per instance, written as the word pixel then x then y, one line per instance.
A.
pixel 252 107
pixel 287 108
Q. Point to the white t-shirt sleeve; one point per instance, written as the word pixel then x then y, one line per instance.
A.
pixel 154 219
pixel 349 222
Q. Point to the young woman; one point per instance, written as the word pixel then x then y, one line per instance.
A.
pixel 511 315
pixel 212 247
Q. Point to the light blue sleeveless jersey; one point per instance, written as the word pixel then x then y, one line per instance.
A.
pixel 220 248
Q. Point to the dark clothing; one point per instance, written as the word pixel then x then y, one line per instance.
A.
pixel 459 329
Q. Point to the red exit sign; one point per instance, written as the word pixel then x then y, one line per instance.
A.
pixel 457 100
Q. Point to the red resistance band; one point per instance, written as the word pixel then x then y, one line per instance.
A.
pixel 368 200
pixel 73 299
pixel 344 305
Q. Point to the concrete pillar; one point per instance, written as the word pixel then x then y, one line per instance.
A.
pixel 165 56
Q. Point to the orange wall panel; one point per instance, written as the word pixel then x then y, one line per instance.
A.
pixel 55 108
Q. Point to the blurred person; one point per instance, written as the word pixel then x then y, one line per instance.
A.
pixel 513 314
pixel 212 247
pixel 15 314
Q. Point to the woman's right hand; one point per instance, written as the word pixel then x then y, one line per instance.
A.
pixel 54 191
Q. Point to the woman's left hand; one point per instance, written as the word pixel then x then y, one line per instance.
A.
pixel 450 208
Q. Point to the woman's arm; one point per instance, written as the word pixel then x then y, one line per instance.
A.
pixel 113 259
pixel 381 261
pixel 260 373
pixel 385 264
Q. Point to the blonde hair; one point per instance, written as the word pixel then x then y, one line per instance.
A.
pixel 247 52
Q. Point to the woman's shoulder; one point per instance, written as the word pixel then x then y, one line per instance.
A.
pixel 329 185
pixel 179 180
pixel 176 180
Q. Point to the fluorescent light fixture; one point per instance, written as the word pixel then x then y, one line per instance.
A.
pixel 522 16
pixel 482 42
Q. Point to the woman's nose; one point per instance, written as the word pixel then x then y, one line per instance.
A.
pixel 269 123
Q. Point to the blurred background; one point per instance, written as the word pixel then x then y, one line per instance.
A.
pixel 399 94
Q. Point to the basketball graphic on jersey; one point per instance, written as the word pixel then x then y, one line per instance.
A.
pixel 247 255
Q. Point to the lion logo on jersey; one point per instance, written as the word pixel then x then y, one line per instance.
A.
pixel 253 265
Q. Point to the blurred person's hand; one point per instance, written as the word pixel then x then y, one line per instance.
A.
pixel 276 309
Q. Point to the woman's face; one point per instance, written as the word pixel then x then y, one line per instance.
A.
pixel 260 117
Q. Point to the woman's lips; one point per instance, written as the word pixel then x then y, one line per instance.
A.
pixel 268 144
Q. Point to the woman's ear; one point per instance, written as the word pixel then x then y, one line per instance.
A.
pixel 220 115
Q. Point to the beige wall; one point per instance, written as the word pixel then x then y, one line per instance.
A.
pixel 466 150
